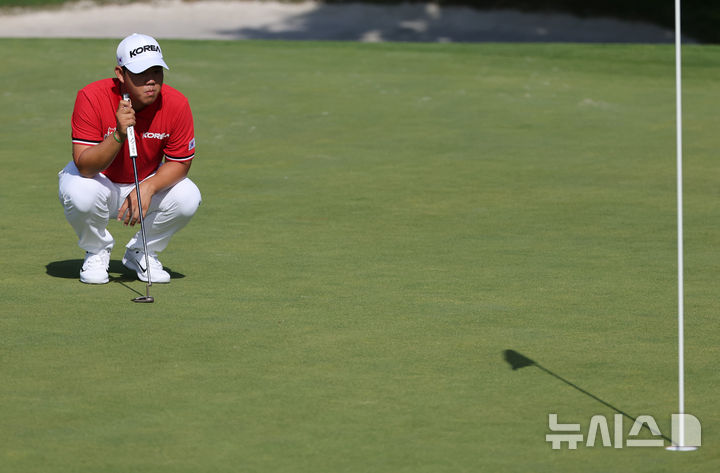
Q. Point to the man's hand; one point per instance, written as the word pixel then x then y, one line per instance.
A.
pixel 129 213
pixel 169 174
pixel 91 160
pixel 125 117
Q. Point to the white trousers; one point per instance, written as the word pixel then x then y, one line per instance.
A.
pixel 90 203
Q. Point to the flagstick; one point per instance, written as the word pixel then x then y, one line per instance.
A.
pixel 681 283
pixel 681 290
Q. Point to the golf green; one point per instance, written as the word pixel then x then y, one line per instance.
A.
pixel 380 222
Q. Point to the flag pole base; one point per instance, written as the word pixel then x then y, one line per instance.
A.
pixel 679 448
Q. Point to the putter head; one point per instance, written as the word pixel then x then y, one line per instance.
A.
pixel 144 299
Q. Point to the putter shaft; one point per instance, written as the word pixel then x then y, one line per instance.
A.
pixel 132 148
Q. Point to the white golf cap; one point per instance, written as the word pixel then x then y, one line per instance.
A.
pixel 139 52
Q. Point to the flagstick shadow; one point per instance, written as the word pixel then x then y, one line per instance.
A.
pixel 517 361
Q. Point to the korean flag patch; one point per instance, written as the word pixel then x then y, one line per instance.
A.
pixel 191 145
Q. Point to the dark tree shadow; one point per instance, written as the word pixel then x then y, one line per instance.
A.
pixel 428 23
pixel 517 361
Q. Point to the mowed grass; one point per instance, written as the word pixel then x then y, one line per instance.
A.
pixel 379 223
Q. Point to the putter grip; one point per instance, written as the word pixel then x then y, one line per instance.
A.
pixel 132 146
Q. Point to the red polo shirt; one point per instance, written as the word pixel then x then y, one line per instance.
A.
pixel 164 128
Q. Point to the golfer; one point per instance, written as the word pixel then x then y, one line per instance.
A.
pixel 98 184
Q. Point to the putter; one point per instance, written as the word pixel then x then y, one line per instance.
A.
pixel 132 146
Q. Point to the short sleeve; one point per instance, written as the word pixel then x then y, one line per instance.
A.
pixel 181 144
pixel 86 124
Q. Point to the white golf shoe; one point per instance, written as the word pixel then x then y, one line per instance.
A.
pixel 95 268
pixel 135 260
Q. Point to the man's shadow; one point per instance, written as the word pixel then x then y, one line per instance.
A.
pixel 70 269
pixel 518 360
